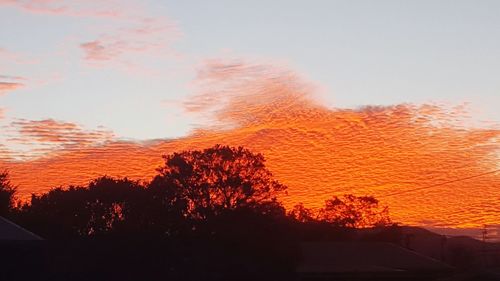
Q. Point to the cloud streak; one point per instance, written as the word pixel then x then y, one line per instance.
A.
pixel 6 87
pixel 124 31
pixel 48 137
pixel 63 133
pixel 96 51
pixel 74 8
pixel 10 83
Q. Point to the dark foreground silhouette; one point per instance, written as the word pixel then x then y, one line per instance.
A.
pixel 207 215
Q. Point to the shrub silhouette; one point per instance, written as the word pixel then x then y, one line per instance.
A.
pixel 354 212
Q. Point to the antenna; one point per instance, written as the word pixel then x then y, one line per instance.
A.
pixel 484 233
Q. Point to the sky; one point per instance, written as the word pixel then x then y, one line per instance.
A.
pixel 83 81
pixel 357 52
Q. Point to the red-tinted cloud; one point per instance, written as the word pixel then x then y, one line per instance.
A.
pixel 10 83
pixel 5 153
pixel 9 86
pixel 62 134
pixel 317 151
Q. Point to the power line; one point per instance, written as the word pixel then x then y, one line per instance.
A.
pixel 439 184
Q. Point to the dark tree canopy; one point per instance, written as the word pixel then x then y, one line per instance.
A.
pixel 95 209
pixel 7 192
pixel 214 210
pixel 216 179
pixel 355 212
pixel 301 213
pixel 207 193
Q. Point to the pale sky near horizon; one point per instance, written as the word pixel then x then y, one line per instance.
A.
pixel 128 65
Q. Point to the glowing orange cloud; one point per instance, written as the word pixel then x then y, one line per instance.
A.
pixel 315 150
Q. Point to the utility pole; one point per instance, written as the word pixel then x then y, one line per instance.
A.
pixel 443 245
pixel 484 233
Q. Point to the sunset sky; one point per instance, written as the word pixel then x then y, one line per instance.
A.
pixel 371 97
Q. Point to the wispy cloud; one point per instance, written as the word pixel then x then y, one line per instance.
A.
pixel 5 153
pixel 96 51
pixel 13 57
pixel 16 78
pixel 132 41
pixel 226 89
pixel 9 86
pixel 63 134
pixel 35 138
pixel 125 29
pixel 76 8
pixel 9 58
pixel 10 83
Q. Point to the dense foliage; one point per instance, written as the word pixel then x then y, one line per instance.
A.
pixel 7 192
pixel 216 209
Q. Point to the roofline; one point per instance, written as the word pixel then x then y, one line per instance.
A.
pixel 36 237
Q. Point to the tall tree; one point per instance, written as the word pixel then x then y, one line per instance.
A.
pixel 219 178
pixel 7 193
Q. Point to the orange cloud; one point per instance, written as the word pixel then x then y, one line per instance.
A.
pixel 4 153
pixel 10 83
pixel 317 151
pixel 46 138
pixel 9 86
pixel 64 134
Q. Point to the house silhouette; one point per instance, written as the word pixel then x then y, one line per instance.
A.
pixel 366 261
pixel 10 231
pixel 22 253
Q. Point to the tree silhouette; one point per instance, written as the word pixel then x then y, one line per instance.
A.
pixel 7 192
pixel 111 203
pixel 355 212
pixel 301 213
pixel 216 179
pixel 97 209
pixel 213 210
